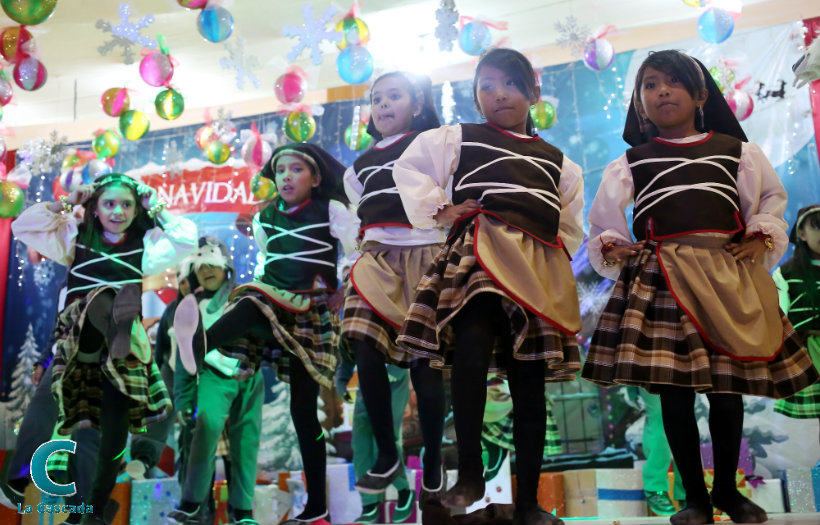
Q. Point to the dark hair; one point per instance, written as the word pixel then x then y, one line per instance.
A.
pixel 801 262
pixel 517 67
pixel 418 87
pixel 90 229
pixel 673 62
pixel 320 162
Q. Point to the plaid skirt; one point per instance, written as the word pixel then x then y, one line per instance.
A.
pixel 311 337
pixel 382 285
pixel 451 281
pixel 77 386
pixel 645 338
pixel 806 403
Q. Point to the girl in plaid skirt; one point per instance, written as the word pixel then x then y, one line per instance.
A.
pixel 287 318
pixel 104 373
pixel 383 282
pixel 694 308
pixel 502 283
pixel 798 285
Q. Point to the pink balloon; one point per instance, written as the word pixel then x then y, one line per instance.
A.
pixel 5 91
pixel 290 87
pixel 156 69
pixel 256 152
pixel 29 73
pixel 741 103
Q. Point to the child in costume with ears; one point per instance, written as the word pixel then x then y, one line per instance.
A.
pixel 287 317
pixel 104 373
pixel 383 282
pixel 694 308
pixel 798 286
pixel 502 283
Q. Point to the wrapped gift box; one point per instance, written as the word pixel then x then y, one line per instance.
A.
pixel 550 492
pixel 345 503
pixel 122 495
pixel 497 490
pixel 606 493
pixel 152 500
pixel 768 494
pixel 744 463
pixel 270 504
pixel 802 489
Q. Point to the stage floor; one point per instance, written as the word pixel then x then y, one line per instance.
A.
pixel 774 519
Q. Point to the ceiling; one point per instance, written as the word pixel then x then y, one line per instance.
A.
pixel 401 37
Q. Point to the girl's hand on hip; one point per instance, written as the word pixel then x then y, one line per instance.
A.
pixel 751 247
pixel 448 215
pixel 616 253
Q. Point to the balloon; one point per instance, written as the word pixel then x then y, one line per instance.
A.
pixel 218 152
pixel 1 112
pixel 474 38
pixel 56 189
pixel 169 104
pixel 262 188
pixel 695 3
pixel 598 54
pixel 290 87
pixel 106 144
pixel 354 32
pixel 543 114
pixel 71 179
pixel 354 64
pixel 115 101
pixel 256 152
pixel 715 25
pixel 2 148
pixel 134 124
pixel 71 160
pixel 204 136
pixel 11 199
pixel 363 138
pixel 741 103
pixel 93 169
pixel 16 41
pixel 156 69
pixel 193 4
pixel 299 126
pixel 29 73
pixel 5 90
pixel 29 12
pixel 215 23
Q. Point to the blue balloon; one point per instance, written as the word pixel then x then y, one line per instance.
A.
pixel 716 25
pixel 215 23
pixel 354 64
pixel 474 38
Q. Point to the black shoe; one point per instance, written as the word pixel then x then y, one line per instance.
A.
pixel 181 515
pixel 15 496
pixel 405 505
pixel 435 493
pixel 659 503
pixel 374 483
pixel 126 308
pixel 739 508
pixel 535 516
pixel 467 490
pixel 302 519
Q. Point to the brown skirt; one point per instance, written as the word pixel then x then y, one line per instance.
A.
pixel 77 386
pixel 456 275
pixel 311 335
pixel 645 338
pixel 382 286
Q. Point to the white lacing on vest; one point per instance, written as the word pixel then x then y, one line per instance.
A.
pixel 373 171
pixel 95 281
pixel 548 197
pixel 299 256
pixel 658 195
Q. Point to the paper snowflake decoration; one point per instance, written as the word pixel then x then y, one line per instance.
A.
pixel 223 126
pixel 241 63
pixel 311 33
pixel 44 275
pixel 572 36
pixel 126 34
pixel 593 296
pixel 42 155
pixel 446 31
pixel 174 159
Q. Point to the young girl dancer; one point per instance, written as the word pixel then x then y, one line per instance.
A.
pixel 502 281
pixel 694 308
pixel 104 374
pixel 384 279
pixel 286 317
pixel 798 285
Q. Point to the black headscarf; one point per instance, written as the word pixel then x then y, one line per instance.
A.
pixel 322 162
pixel 802 214
pixel 717 114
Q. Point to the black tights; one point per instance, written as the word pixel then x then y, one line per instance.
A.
pixel 113 409
pixel 375 387
pixel 304 394
pixel 476 327
pixel 726 428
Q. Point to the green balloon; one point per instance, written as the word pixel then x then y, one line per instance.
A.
pixel 169 104
pixel 299 126
pixel 29 12
pixel 543 114
pixel 11 199
pixel 363 138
